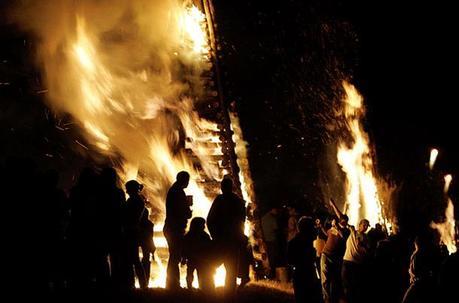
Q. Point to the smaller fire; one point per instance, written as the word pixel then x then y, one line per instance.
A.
pixel 448 179
pixel 447 228
pixel 220 275
pixel 433 157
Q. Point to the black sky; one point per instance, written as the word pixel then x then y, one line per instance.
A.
pixel 402 57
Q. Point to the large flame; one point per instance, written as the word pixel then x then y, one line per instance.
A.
pixel 363 200
pixel 130 74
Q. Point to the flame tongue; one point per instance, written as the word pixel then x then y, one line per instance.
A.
pixel 447 229
pixel 433 157
pixel 361 187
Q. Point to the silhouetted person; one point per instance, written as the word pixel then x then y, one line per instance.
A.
pixel 226 225
pixel 448 278
pixel 301 257
pixel 178 212
pixel 111 200
pixel 54 212
pixel 355 271
pixel 270 229
pixel 83 224
pixel 134 214
pixel 146 243
pixel 197 254
pixel 22 229
pixel 375 235
pixel 392 258
pixel 424 269
pixel 332 257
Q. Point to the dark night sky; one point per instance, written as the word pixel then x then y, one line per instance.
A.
pixel 279 63
pixel 402 57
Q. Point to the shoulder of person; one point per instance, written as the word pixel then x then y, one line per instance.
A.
pixel 219 198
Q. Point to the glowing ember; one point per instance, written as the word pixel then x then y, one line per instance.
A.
pixel 363 200
pixel 433 157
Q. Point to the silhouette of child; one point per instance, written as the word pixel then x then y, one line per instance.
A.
pixel 197 255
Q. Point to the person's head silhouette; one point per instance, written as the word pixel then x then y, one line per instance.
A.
pixel 133 187
pixel 183 178
pixel 227 186
pixel 197 224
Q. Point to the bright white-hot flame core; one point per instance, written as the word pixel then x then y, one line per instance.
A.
pixel 448 179
pixel 362 196
pixel 193 21
pixel 433 157
pixel 130 75
pixel 220 275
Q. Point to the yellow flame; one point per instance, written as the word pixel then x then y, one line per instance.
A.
pixel 220 275
pixel 447 228
pixel 245 177
pixel 362 200
pixel 95 80
pixel 448 179
pixel 131 80
pixel 194 29
pixel 433 157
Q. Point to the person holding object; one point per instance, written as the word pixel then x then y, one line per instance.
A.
pixel 178 212
pixel 332 257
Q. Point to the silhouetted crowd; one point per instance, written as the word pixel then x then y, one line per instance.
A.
pixel 332 261
pixel 99 236
pixel 87 239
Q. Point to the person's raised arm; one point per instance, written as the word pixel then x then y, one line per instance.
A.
pixel 337 212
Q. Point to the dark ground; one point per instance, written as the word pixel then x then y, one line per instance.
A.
pixel 252 293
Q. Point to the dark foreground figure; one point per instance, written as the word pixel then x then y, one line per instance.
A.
pixel 178 212
pixel 301 257
pixel 226 225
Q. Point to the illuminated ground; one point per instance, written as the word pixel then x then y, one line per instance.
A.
pixel 254 292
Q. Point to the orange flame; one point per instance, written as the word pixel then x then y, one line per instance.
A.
pixel 245 178
pixel 363 200
pixel 130 75
pixel 447 228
